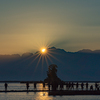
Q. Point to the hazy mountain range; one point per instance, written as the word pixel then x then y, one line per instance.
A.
pixel 72 66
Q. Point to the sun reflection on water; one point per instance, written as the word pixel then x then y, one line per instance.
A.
pixel 43 96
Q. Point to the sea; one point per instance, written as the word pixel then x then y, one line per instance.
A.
pixel 37 95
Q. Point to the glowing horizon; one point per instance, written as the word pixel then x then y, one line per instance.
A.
pixel 26 26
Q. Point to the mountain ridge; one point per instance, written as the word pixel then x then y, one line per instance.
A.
pixel 53 48
pixel 72 66
pixel 89 51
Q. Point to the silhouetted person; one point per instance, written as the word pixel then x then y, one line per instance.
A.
pixel 77 85
pixel 43 84
pixel 82 85
pixel 61 85
pixel 54 86
pixel 67 85
pixel 49 85
pixel 96 86
pixel 6 85
pixel 27 86
pixel 87 86
pixel 34 85
pixel 72 85
pixel 91 87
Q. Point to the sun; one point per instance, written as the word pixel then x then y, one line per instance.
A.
pixel 43 50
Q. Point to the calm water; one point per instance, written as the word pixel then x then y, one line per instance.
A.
pixel 37 95
pixel 42 96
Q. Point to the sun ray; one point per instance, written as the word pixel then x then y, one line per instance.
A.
pixel 46 61
pixel 34 59
pixel 38 63
pixel 52 51
pixel 49 58
pixel 53 56
pixel 23 60
pixel 42 63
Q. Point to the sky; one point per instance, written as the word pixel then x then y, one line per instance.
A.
pixel 28 25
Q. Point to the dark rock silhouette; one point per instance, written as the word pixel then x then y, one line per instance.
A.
pixel 52 77
pixel 52 74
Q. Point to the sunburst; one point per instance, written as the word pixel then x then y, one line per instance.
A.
pixel 43 50
pixel 44 55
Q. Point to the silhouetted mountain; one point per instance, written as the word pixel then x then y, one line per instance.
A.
pixel 89 51
pixel 27 54
pixel 71 65
pixel 86 51
pixel 96 51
